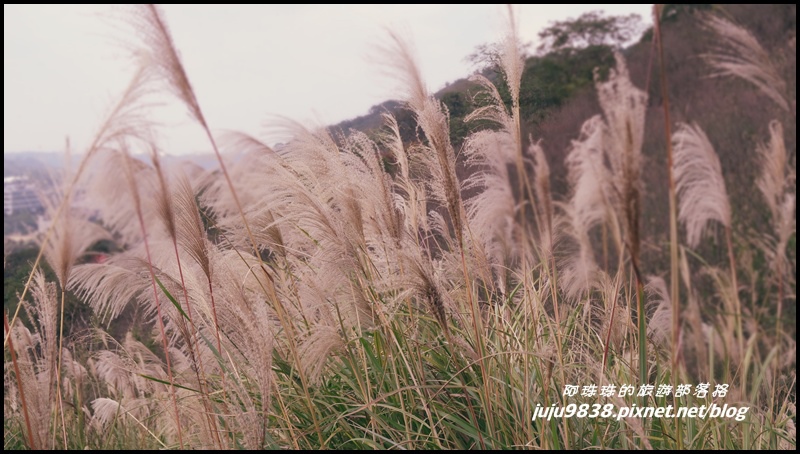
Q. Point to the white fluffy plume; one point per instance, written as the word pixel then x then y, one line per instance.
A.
pixel 698 177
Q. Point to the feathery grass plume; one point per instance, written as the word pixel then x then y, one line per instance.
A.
pixel 382 206
pixel 158 45
pixel 162 195
pixel 252 168
pixel 132 183
pixel 429 292
pixel 190 231
pixel 512 63
pixel 785 228
pixel 136 380
pixel 588 206
pixel 69 241
pixel 64 245
pixel 245 419
pixel 341 201
pixel 702 198
pixel 37 361
pixel 110 286
pixel 104 192
pixel 624 108
pixel 121 369
pixel 165 209
pixel 433 119
pixel 507 148
pixel 739 54
pixel 496 219
pixel 411 197
pixel 34 378
pixel 106 410
pixel 314 198
pixel 10 391
pixel 248 324
pixel 774 180
pixel 257 162
pixel 776 183
pixel 492 212
pixel 322 342
pixel 166 271
pixel 43 313
pixel 699 181
pixel 124 118
pixel 76 375
pixel 160 52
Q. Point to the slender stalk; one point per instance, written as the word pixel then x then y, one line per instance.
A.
pixel 779 322
pixel 610 327
pixel 673 213
pixel 193 343
pixel 477 326
pixel 735 285
pixel 58 369
pixel 643 377
pixel 559 347
pixel 140 216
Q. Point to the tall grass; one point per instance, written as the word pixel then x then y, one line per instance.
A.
pixel 308 298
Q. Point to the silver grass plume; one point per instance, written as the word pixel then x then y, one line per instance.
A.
pixel 492 212
pixel 588 206
pixel 190 231
pixel 774 180
pixel 624 108
pixel 777 184
pixel 109 287
pixel 411 197
pixel 741 55
pixel 104 192
pixel 160 52
pixel 37 358
pixel 700 185
pixel 433 119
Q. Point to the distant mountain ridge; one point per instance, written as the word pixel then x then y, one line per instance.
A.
pixel 39 163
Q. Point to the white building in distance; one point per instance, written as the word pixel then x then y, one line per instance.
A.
pixel 19 194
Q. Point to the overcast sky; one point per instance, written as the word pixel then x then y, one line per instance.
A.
pixel 63 66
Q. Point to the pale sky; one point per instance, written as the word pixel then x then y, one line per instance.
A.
pixel 63 66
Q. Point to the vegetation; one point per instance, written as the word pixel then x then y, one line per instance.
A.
pixel 315 297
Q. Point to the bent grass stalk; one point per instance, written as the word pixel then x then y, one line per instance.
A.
pixel 138 208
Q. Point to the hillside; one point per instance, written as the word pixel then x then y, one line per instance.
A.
pixel 558 96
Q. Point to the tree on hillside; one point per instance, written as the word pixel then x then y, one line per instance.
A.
pixel 569 52
pixel 590 29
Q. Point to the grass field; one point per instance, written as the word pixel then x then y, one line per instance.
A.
pixel 308 298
